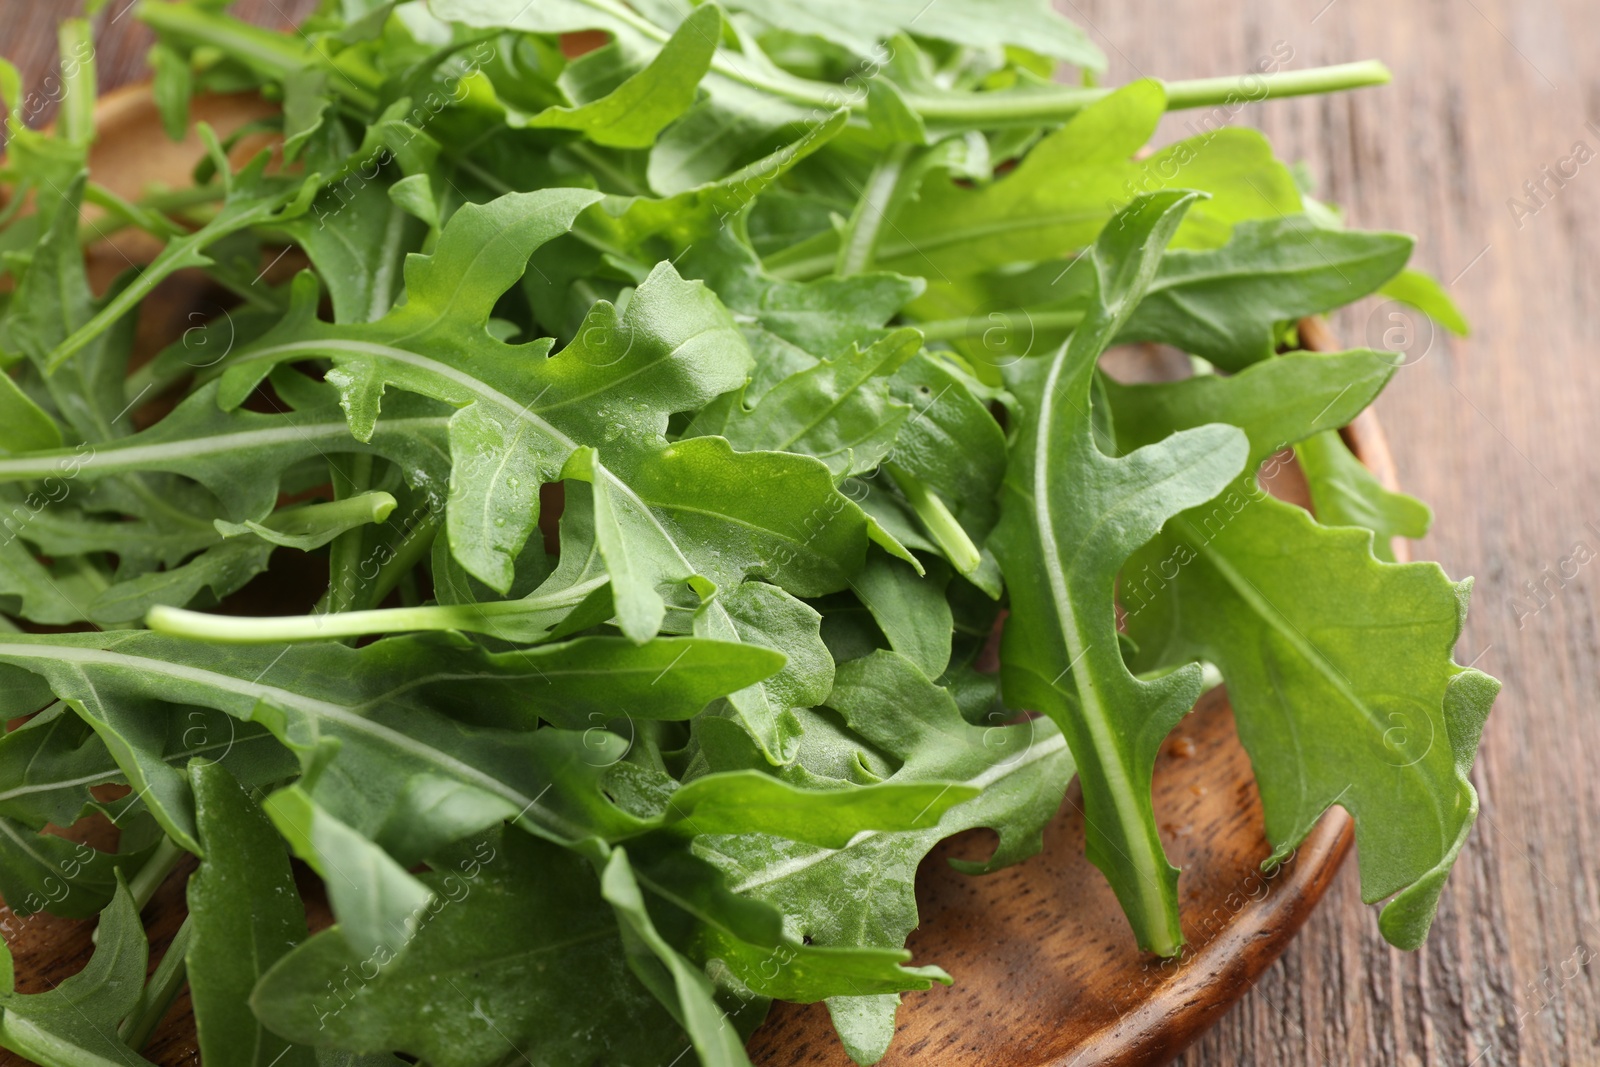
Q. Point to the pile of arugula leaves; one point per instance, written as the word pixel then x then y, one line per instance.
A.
pixel 674 421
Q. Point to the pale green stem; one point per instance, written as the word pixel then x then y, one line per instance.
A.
pixel 1045 106
pixel 872 212
pixel 959 329
pixel 369 507
pixel 148 214
pixel 76 119
pixel 236 630
pixel 351 476
pixel 154 872
pixel 938 521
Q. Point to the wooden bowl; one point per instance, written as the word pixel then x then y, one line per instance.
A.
pixel 1046 970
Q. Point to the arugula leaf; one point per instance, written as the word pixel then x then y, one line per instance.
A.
pixel 786 321
pixel 1025 23
pixel 27 426
pixel 339 234
pixel 530 907
pixel 53 301
pixel 1069 518
pixel 1067 187
pixel 358 698
pixel 1338 665
pixel 672 350
pixel 948 457
pixel 172 86
pixel 200 441
pixel 862 893
pixel 698 196
pixel 52 759
pixel 246 913
pixel 1424 293
pixel 911 610
pixel 44 872
pixel 1223 304
pixel 48 763
pixel 679 985
pixel 837 410
pixel 633 113
pixel 375 898
pixel 608 412
pixel 76 1022
pixel 252 198
pixel 1346 493
pixel 399 755
pixel 221 569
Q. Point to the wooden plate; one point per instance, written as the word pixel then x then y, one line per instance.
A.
pixel 1045 967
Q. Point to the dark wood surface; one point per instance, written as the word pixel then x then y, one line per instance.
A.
pixel 1494 431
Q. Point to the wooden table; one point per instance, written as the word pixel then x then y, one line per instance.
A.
pixel 1494 431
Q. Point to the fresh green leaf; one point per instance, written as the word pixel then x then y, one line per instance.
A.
pixel 75 1023
pixel 911 610
pixel 246 913
pixel 837 410
pixel 44 872
pixel 1346 493
pixel 252 199
pixel 861 894
pixel 587 404
pixel 1070 517
pixel 1070 184
pixel 682 987
pixel 27 426
pixel 1423 292
pixel 532 909
pixel 1338 665
pixel 640 108
pixel 1028 23
pixel 172 87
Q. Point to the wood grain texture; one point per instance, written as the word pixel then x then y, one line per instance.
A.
pixel 1494 431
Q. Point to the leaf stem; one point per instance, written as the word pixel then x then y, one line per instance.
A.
pixel 417 543
pixel 76 119
pixel 270 54
pixel 149 213
pixel 154 872
pixel 1210 92
pixel 937 520
pixel 125 213
pixel 871 214
pixel 1046 105
pixel 959 329
pixel 276 55
pixel 352 476
pixel 242 630
pixel 190 244
pixel 162 989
